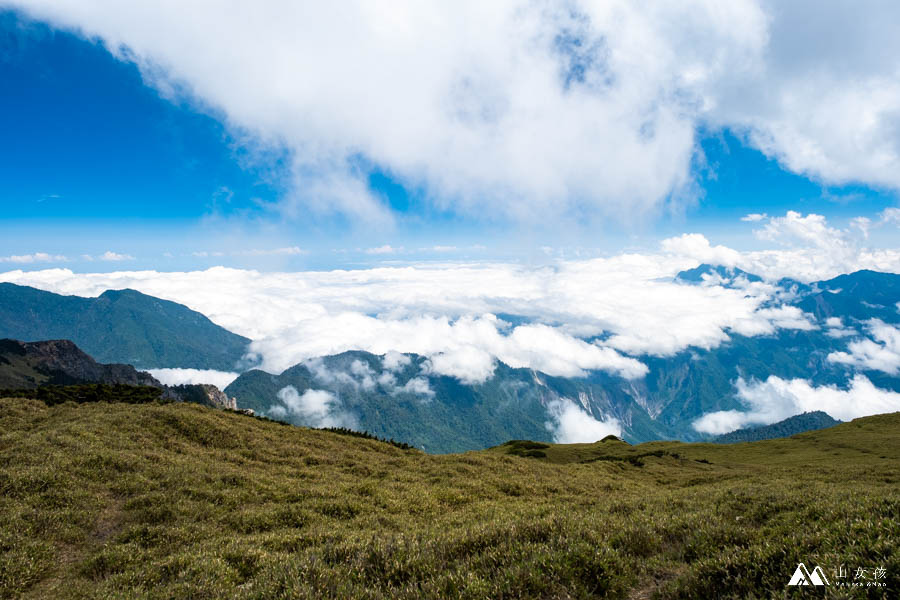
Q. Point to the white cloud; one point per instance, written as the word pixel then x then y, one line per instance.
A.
pixel 114 256
pixel 333 377
pixel 361 377
pixel 810 250
pixel 811 230
pixel 469 364
pixel 314 408
pixel 569 424
pixel 696 246
pixel 386 249
pixel 395 361
pixel 890 215
pixel 532 109
pixel 571 316
pixel 882 353
pixel 286 251
pixel 754 217
pixel 33 258
pixel 835 328
pixel 220 379
pixel 776 399
pixel 418 386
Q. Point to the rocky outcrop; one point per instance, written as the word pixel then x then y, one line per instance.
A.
pixel 203 393
pixel 29 365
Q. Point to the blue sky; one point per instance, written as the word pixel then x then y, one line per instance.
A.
pixel 95 158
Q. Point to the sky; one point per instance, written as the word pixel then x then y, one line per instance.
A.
pixel 400 177
pixel 179 137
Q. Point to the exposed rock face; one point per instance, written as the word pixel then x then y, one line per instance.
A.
pixel 218 398
pixel 62 362
pixel 28 365
pixel 202 393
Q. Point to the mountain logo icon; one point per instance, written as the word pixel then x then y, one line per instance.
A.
pixel 802 576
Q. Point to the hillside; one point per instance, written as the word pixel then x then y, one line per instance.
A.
pixel 177 500
pixel 809 421
pixel 121 326
pixel 58 369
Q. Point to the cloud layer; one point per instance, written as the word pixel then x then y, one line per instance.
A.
pixel 776 399
pixel 531 108
pixel 569 424
pixel 448 313
pixel 881 353
pixel 220 379
pixel 564 319
pixel 313 408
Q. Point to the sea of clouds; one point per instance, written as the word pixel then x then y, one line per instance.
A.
pixel 564 319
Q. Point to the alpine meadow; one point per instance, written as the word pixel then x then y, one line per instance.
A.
pixel 424 300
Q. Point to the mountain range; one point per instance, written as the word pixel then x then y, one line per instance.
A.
pixel 399 396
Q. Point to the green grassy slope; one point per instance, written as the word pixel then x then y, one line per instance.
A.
pixel 175 500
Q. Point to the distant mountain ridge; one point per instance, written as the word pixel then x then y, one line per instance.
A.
pixel 808 421
pixel 517 403
pixel 121 326
pixel 404 399
pixel 437 412
pixel 32 365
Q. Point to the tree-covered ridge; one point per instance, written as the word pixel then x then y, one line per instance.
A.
pixel 89 392
pixel 121 326
pixel 808 421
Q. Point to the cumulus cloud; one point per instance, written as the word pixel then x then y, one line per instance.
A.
pixel 33 258
pixel 835 328
pixel 880 353
pixel 469 364
pixel 359 376
pixel 220 379
pixel 418 386
pixel 395 361
pixel 696 246
pixel 111 256
pixel 569 424
pixel 313 408
pixel 810 249
pixel 776 399
pixel 254 252
pixel 811 230
pixel 286 251
pixel 386 249
pixel 532 109
pixel 890 215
